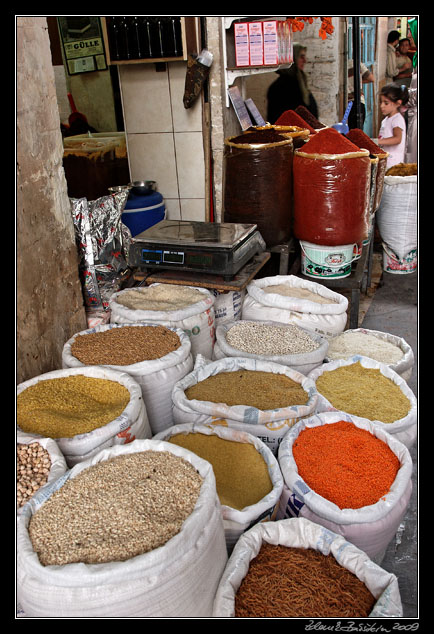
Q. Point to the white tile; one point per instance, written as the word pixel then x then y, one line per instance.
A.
pixel 145 98
pixel 152 157
pixel 190 164
pixel 173 209
pixel 184 119
pixel 193 209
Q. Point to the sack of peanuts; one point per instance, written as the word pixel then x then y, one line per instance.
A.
pixel 186 307
pixel 155 356
pixel 39 463
pixel 314 573
pixel 368 389
pixel 83 409
pixel 248 477
pixel 363 487
pixel 261 398
pixel 286 344
pixel 91 550
pixel 292 300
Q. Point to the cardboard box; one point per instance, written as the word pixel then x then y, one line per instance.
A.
pixel 270 42
pixel 256 44
pixel 241 32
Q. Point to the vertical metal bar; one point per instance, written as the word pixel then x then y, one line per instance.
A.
pixel 356 70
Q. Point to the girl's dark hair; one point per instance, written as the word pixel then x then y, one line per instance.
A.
pixel 394 92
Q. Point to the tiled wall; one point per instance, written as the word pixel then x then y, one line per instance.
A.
pixel 165 141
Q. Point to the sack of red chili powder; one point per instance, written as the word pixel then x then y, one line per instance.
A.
pixel 295 600
pixel 352 467
pixel 331 185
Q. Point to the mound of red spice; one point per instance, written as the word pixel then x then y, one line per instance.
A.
pixel 345 464
pixel 260 136
pixel 290 117
pixel 359 138
pixel 329 141
pixel 308 117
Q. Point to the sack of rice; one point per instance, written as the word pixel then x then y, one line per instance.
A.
pixel 154 355
pixel 291 300
pixel 187 307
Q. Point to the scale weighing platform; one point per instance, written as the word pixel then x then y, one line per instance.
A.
pixel 188 245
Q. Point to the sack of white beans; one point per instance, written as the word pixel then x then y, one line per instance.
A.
pixel 268 425
pixel 286 344
pixel 302 533
pixel 236 521
pixel 156 376
pixel 131 423
pixel 187 307
pixel 291 300
pixel 177 579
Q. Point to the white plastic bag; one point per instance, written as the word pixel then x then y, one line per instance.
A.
pixel 132 423
pixel 155 377
pixel 177 580
pixel 326 319
pixel 303 362
pixel 237 521
pixel 301 533
pixel 268 425
pixel 227 305
pixel 370 528
pixel 404 429
pixel 397 214
pixel 197 320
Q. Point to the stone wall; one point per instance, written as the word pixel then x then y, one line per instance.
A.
pixel 49 302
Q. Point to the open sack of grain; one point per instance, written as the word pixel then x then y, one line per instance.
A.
pixel 297 568
pixel 287 344
pixel 186 307
pixel 162 558
pixel 248 477
pixel 83 409
pixel 258 397
pixel 369 389
pixel 291 300
pixel 154 355
pixel 360 487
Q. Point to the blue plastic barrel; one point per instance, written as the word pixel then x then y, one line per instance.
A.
pixel 143 210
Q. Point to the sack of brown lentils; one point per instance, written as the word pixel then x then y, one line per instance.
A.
pixel 287 344
pixel 369 389
pixel 366 518
pixel 155 356
pixel 292 300
pixel 314 581
pixel 155 544
pixel 261 398
pixel 187 307
pixel 83 409
pixel 248 476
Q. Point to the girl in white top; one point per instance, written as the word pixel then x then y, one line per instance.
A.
pixel 393 128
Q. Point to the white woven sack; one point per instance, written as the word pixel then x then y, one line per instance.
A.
pixel 237 521
pixel 303 362
pixel 155 377
pixel 197 320
pixel 227 305
pixel 268 425
pixel 370 528
pixel 132 423
pixel 177 580
pixel 404 366
pixel 404 429
pixel 301 533
pixel 397 214
pixel 326 319
pixel 58 463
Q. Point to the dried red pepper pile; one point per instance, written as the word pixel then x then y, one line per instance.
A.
pixel 329 141
pixel 290 117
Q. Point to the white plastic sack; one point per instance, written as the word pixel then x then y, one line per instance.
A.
pixel 132 423
pixel 237 521
pixel 326 319
pixel 397 214
pixel 177 580
pixel 227 305
pixel 197 320
pixel 155 377
pixel 303 362
pixel 58 463
pixel 301 533
pixel 370 528
pixel 404 366
pixel 404 429
pixel 268 425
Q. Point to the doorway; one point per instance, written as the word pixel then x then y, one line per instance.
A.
pixel 368 30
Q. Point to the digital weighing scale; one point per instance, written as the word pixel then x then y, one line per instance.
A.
pixel 209 247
